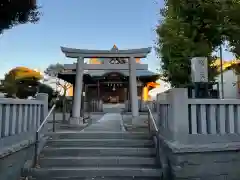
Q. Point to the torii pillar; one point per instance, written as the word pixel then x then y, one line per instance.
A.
pixel 133 88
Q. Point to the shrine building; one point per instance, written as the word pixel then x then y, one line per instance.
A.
pixel 112 76
pixel 112 86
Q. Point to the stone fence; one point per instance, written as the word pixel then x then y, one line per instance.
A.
pixel 190 120
pixel 93 106
pixel 199 138
pixel 142 106
pixel 89 106
pixel 19 120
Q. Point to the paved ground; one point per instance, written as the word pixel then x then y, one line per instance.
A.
pixel 60 126
pixel 112 120
pixel 109 122
pixel 113 108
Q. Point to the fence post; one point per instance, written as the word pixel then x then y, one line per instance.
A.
pixel 179 127
pixel 43 97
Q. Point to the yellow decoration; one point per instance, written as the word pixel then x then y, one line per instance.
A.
pixel 145 91
pixel 23 72
pixel 94 61
pixel 226 64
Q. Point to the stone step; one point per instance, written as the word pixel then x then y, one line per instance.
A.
pixel 98 151
pixel 97 161
pixel 92 171
pixel 99 143
pixel 98 135
pixel 97 178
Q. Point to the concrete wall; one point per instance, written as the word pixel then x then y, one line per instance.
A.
pixel 11 166
pixel 189 163
pixel 199 138
pixel 229 81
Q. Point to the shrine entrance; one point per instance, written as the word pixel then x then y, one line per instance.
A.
pixel 113 87
pixel 115 60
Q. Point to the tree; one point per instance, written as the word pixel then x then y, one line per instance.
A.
pixel 61 85
pixel 21 82
pixel 14 12
pixel 19 88
pixel 10 85
pixel 191 29
pixel 52 72
pixel 44 88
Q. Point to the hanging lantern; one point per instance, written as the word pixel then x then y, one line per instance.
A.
pixel 114 89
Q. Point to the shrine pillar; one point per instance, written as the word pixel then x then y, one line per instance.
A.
pixel 76 116
pixel 133 87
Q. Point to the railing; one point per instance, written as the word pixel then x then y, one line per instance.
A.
pixel 93 106
pixel 19 116
pixel 37 141
pixel 142 106
pixel 151 122
pixel 197 121
pixel 88 106
pixel 214 116
pixel 153 130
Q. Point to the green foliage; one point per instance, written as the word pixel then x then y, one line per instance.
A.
pixel 19 88
pixel 14 12
pixel 27 87
pixel 44 88
pixel 195 28
pixel 10 85
pixel 54 69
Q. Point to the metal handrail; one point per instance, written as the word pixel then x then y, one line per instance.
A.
pixel 38 130
pixel 152 119
pixel 46 118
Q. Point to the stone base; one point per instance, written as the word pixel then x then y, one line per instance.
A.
pixel 135 120
pixel 76 121
pixel 139 121
pixel 188 162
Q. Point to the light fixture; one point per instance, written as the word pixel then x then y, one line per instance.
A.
pixel 114 89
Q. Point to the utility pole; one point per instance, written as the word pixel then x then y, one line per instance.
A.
pixel 221 70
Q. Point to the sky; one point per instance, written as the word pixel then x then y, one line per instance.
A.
pixel 86 24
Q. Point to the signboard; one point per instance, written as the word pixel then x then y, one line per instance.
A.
pixel 199 69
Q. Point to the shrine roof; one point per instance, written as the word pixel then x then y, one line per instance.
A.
pixel 125 73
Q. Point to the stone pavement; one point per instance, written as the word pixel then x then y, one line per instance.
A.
pixel 109 122
pixel 113 108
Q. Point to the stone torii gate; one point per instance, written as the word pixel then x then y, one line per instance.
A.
pixel 80 66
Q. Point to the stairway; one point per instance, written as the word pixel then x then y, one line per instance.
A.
pixel 97 155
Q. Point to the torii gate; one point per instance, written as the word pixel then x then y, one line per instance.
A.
pixel 114 53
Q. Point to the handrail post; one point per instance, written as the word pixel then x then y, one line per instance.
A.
pixel 149 128
pixel 54 120
pixel 36 149
pixel 158 147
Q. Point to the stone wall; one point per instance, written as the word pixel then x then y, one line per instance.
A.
pixel 11 166
pixel 182 162
pixel 14 158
